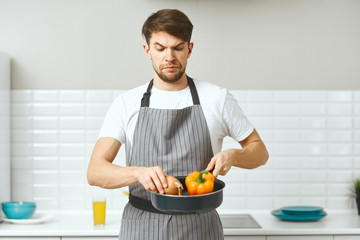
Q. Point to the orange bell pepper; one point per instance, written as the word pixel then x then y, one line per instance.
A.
pixel 198 183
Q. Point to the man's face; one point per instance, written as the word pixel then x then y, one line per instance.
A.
pixel 169 55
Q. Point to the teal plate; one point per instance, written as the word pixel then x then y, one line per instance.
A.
pixel 302 210
pixel 297 218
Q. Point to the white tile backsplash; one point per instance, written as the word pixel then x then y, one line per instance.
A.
pixel 285 122
pixel 357 149
pixel 312 123
pixel 71 122
pixel 313 138
pixel 45 163
pixel 339 149
pixel 340 176
pixel 45 136
pixel 22 96
pixel 284 163
pixel 287 96
pixel 20 177
pixel 339 109
pixel 357 122
pixel 72 109
pixel 259 189
pixel 356 96
pixel 45 96
pixel 45 149
pixel 45 177
pixel 235 189
pixel 312 109
pixel 21 109
pixel 288 176
pixel 310 162
pixel 259 109
pixel 337 189
pixel 315 201
pixel 339 136
pixel 98 96
pixel 45 109
pixel 21 123
pixel 286 109
pixel 339 96
pixel 46 191
pixel 21 136
pixel 234 202
pixel 96 109
pixel 312 96
pixel 71 163
pixel 72 96
pixel 45 122
pixel 259 203
pixel 21 162
pixel 289 201
pixel 313 177
pixel 313 189
pixel 261 96
pixel 356 109
pixel 339 122
pixel 340 162
pixel 287 190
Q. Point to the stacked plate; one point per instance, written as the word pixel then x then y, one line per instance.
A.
pixel 299 213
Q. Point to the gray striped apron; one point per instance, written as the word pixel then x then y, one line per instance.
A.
pixel 178 140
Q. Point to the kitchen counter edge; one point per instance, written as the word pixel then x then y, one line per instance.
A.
pixel 79 223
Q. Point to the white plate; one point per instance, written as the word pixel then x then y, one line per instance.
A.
pixel 36 218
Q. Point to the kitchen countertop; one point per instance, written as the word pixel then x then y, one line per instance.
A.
pixel 79 223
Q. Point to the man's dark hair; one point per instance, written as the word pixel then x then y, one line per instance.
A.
pixel 171 21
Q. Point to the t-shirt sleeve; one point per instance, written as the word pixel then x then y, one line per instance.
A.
pixel 114 124
pixel 237 124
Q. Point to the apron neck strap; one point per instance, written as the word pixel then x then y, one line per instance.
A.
pixel 145 101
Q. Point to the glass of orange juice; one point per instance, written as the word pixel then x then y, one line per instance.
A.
pixel 99 207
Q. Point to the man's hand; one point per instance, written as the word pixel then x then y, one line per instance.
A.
pixel 152 178
pixel 252 155
pixel 221 163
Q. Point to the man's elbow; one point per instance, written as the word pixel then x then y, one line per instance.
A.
pixel 265 156
pixel 90 177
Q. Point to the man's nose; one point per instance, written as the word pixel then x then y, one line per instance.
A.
pixel 169 55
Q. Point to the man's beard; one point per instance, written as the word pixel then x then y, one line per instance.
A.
pixel 172 78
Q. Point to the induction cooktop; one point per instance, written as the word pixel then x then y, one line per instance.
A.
pixel 238 221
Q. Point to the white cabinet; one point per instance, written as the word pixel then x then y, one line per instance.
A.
pixel 245 238
pixel 4 127
pixel 347 237
pixel 330 237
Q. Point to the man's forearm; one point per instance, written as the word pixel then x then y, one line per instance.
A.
pixel 250 156
pixel 110 176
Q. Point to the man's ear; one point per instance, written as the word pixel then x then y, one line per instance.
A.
pixel 191 45
pixel 147 50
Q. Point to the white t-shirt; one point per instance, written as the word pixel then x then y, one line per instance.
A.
pixel 222 112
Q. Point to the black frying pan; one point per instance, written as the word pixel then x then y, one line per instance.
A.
pixel 189 204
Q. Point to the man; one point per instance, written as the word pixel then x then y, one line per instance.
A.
pixel 170 126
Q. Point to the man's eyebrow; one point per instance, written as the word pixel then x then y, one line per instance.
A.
pixel 158 44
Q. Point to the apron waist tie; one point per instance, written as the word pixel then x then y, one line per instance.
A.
pixel 146 205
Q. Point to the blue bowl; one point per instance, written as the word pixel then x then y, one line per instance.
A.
pixel 18 210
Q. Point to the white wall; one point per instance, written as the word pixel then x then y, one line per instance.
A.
pixel 239 44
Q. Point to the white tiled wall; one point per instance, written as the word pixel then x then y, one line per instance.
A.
pixel 313 138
